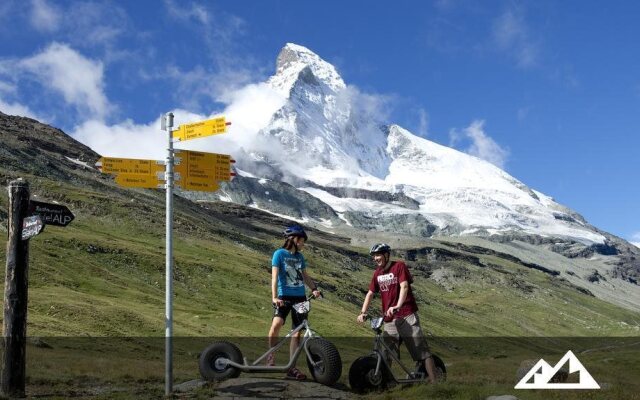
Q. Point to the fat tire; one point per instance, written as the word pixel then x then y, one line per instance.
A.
pixel 440 368
pixel 208 357
pixel 325 352
pixel 361 375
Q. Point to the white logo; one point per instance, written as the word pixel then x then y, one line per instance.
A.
pixel 384 281
pixel 542 373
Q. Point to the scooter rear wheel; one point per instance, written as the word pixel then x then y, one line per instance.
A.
pixel 441 370
pixel 211 367
pixel 328 366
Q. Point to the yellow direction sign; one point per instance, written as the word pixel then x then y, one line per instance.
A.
pixel 200 129
pixel 197 184
pixel 206 166
pixel 139 181
pixel 111 165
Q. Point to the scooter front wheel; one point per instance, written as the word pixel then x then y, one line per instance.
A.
pixel 363 378
pixel 212 365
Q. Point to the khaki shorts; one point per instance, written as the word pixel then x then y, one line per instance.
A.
pixel 407 330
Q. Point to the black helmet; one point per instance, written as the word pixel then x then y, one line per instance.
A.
pixel 380 248
pixel 295 230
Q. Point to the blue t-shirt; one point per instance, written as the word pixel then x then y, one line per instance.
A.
pixel 290 266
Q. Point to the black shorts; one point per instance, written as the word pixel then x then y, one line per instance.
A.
pixel 286 308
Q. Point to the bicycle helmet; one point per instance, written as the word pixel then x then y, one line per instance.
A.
pixel 295 230
pixel 380 248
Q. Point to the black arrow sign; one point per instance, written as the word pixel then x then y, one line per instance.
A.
pixel 51 214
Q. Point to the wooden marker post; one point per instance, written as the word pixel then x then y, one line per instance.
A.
pixel 14 325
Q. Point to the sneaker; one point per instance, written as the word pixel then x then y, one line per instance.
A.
pixel 271 360
pixel 295 373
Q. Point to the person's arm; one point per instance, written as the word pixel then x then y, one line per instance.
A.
pixel 310 283
pixel 274 286
pixel 404 290
pixel 365 306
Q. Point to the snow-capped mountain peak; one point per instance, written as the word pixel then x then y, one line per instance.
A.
pixel 294 60
pixel 326 138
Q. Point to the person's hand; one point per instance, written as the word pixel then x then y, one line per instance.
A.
pixel 361 317
pixel 391 311
pixel 316 293
pixel 277 302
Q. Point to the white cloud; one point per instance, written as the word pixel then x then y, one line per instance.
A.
pixel 249 109
pixel 635 239
pixel 511 34
pixel 193 86
pixel 185 12
pixel 18 109
pixel 77 78
pixel 44 17
pixel 125 139
pixel 482 146
pixel 89 24
pixel 423 126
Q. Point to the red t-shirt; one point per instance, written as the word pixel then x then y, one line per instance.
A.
pixel 388 284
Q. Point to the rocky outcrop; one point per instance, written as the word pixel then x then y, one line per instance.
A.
pixel 273 196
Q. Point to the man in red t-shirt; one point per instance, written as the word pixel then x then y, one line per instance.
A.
pixel 392 280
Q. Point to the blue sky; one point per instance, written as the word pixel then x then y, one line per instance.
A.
pixel 547 90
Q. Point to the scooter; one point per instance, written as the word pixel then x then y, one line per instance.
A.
pixel 224 360
pixel 373 372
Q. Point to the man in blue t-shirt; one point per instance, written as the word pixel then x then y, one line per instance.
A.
pixel 288 277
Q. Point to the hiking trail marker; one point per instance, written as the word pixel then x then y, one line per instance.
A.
pixel 51 214
pixel 26 219
pixel 186 169
pixel 200 129
pixel 31 226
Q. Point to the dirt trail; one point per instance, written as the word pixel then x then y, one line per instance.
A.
pixel 272 388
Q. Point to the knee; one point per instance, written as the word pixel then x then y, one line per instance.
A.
pixel 275 328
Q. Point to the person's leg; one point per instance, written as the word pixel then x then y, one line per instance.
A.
pixel 411 333
pixel 274 331
pixel 279 316
pixel 296 319
pixel 430 366
pixel 391 338
pixel 293 346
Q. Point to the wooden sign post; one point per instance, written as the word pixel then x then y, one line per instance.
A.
pixel 27 218
pixel 14 325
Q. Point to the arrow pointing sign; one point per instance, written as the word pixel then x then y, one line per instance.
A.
pixel 200 129
pixel 195 164
pixel 112 165
pixel 51 214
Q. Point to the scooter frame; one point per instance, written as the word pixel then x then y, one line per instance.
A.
pixel 255 367
pixel 380 348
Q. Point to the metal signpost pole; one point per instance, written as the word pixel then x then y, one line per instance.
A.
pixel 169 260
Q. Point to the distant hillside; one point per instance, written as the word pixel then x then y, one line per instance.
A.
pixel 103 275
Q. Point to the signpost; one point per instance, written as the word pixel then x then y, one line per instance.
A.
pixel 140 181
pixel 190 170
pixel 26 219
pixel 195 184
pixel 31 226
pixel 51 214
pixel 111 165
pixel 200 129
pixel 206 166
